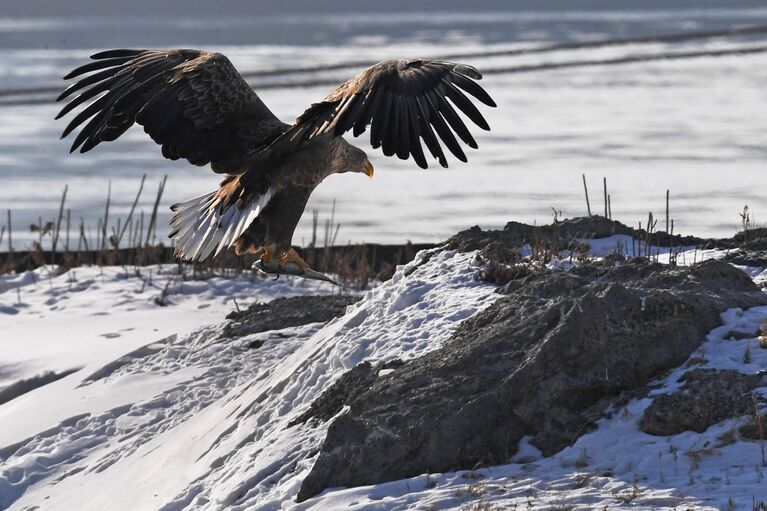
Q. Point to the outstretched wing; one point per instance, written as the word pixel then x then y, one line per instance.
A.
pixel 193 103
pixel 403 101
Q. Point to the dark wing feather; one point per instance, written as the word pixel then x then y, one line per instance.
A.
pixel 404 102
pixel 193 103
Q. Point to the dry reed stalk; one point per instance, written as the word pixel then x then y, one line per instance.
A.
pixel 153 219
pixel 83 239
pixel 140 232
pixel 671 245
pixel 586 189
pixel 132 208
pixel 105 221
pixel 55 239
pixel 113 238
pixel 10 230
pixel 66 240
pixel 648 233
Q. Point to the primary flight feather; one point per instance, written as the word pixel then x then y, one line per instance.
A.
pixel 198 107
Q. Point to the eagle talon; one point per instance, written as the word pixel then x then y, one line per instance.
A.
pixel 292 257
pixel 266 254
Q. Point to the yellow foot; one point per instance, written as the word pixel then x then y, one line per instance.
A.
pixel 292 257
pixel 267 252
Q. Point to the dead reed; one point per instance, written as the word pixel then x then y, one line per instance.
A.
pixel 132 241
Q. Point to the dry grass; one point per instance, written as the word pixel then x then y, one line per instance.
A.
pixel 628 496
pixel 759 419
pixel 132 242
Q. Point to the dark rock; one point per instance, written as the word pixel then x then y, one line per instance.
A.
pixel 501 245
pixel 346 389
pixel 285 312
pixel 707 397
pixel 546 360
pixel 753 239
pixel 749 257
pixel 738 335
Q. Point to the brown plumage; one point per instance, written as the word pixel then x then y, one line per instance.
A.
pixel 198 107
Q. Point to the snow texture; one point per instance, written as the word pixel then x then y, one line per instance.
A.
pixel 190 422
pixel 186 421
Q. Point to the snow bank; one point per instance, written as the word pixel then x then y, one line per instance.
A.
pixel 161 421
pixel 207 427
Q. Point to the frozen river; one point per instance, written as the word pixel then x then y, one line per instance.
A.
pixel 697 127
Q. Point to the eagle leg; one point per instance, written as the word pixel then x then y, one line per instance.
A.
pixel 292 257
pixel 266 253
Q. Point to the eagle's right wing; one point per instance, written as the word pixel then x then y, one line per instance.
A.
pixel 193 103
pixel 404 102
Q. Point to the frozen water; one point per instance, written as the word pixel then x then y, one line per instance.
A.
pixel 690 126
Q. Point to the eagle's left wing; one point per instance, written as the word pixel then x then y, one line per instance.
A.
pixel 193 103
pixel 403 101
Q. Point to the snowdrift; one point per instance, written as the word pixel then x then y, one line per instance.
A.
pixel 187 412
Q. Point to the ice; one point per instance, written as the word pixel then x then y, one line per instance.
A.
pixel 646 127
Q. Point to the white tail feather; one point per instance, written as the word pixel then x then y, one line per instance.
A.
pixel 200 228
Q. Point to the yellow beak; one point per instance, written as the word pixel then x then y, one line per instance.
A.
pixel 369 169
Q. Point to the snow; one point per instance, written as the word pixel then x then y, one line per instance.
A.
pixel 91 317
pixel 228 404
pixel 188 421
pixel 119 310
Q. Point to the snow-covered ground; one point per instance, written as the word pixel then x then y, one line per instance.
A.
pixel 134 391
pixel 160 413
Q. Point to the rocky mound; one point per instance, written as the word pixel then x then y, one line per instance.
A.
pixel 707 397
pixel 502 246
pixel 563 233
pixel 547 359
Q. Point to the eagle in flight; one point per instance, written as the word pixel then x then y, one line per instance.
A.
pixel 198 107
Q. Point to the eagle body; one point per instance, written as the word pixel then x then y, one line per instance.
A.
pixel 198 107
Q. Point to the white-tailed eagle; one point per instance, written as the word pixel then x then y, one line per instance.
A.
pixel 198 107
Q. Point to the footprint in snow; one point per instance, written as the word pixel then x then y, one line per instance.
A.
pixel 111 335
